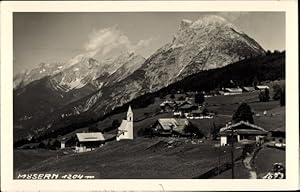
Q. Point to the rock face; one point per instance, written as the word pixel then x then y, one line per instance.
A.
pixel 42 93
pixel 208 43
pixel 42 70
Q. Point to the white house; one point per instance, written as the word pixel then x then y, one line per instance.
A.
pixel 243 132
pixel 63 143
pixel 125 131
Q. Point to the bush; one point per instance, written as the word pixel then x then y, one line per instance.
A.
pixel 243 113
pixel 115 123
pixel 276 92
pixel 42 145
pixel 199 98
pixel 264 96
pixel 193 130
pixel 282 97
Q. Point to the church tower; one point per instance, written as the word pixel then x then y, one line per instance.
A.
pixel 125 131
pixel 130 123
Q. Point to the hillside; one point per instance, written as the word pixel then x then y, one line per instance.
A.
pixel 269 67
pixel 137 159
pixel 92 88
pixel 244 73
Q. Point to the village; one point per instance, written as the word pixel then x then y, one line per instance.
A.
pixel 190 118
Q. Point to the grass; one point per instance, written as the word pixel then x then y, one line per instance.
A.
pixel 150 158
pixel 240 172
pixel 265 159
pixel 140 158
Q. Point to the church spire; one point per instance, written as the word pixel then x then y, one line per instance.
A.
pixel 129 109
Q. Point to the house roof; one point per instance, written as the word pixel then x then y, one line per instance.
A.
pixel 262 87
pixel 278 129
pixel 249 88
pixel 176 124
pixel 243 127
pixel 92 136
pixel 186 106
pixel 233 89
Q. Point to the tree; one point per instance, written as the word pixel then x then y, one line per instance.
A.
pixel 268 52
pixel 255 81
pixel 282 97
pixel 172 96
pixel 243 113
pixel 181 98
pixel 199 98
pixel 193 130
pixel 205 112
pixel 214 131
pixel 93 128
pixel 264 95
pixel 276 92
pixel 115 123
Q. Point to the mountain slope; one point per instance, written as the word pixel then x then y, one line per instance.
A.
pixel 78 80
pixel 244 73
pixel 208 43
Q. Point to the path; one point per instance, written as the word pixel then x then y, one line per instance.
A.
pixel 247 164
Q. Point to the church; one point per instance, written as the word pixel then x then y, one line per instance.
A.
pixel 125 131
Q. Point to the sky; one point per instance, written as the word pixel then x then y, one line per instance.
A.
pixel 59 37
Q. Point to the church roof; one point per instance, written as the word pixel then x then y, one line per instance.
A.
pixel 123 125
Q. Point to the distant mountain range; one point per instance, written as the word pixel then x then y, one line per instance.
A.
pixel 86 84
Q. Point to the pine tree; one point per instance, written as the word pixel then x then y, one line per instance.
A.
pixel 243 113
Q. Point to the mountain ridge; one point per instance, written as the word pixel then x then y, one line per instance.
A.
pixel 204 44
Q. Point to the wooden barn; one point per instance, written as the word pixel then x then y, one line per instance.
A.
pixel 89 141
pixel 243 132
pixel 168 106
pixel 171 126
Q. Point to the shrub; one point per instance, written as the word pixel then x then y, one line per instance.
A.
pixel 243 113
pixel 276 92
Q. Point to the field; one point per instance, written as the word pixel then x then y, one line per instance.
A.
pixel 265 158
pixel 154 158
pixel 140 158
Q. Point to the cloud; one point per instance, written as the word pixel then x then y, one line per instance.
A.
pixel 103 41
pixel 143 43
pixel 233 16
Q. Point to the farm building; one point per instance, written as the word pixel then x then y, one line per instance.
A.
pixel 171 126
pixel 184 108
pixel 277 135
pixel 168 106
pixel 199 113
pixel 89 141
pixel 125 131
pixel 248 89
pixel 261 87
pixel 242 132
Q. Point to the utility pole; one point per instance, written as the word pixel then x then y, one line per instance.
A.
pixel 232 154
